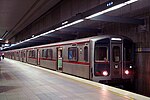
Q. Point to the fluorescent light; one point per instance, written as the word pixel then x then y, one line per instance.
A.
pixel 65 22
pixel 116 39
pixel 67 25
pixel 59 28
pixel 1 38
pixel 75 22
pixel 51 31
pixel 130 1
pixel 70 24
pixel 36 37
pixel 110 3
pixel 44 34
pixel 33 38
pixel 6 45
pixel 111 9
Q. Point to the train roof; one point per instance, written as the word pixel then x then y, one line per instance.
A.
pixel 94 38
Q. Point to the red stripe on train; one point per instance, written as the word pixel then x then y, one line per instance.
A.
pixel 47 59
pixel 32 58
pixel 74 62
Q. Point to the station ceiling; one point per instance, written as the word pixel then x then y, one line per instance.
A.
pixel 18 20
pixel 17 14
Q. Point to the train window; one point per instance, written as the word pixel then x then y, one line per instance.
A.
pixel 73 54
pixel 50 53
pixel 33 53
pixel 13 54
pixel 101 54
pixel 86 53
pixel 44 53
pixel 29 53
pixel 116 54
pixel 128 50
pixel 128 53
pixel 21 54
pixel 24 55
pixel 17 54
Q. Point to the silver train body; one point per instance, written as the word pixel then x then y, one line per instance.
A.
pixel 100 58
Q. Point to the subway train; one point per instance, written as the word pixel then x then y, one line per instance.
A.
pixel 106 58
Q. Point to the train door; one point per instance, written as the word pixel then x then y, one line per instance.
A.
pixel 38 57
pixel 22 56
pixel 26 55
pixel 116 60
pixel 59 59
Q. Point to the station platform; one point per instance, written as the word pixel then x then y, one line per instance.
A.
pixel 22 81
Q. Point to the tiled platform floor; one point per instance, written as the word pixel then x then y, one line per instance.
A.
pixel 20 81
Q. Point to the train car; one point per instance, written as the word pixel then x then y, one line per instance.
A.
pixel 13 55
pixel 67 57
pixel 32 56
pixel 8 55
pixel 23 55
pixel 112 59
pixel 108 58
pixel 47 57
pixel 17 55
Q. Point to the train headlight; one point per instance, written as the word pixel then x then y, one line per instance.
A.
pixel 105 73
pixel 130 66
pixel 126 72
pixel 116 66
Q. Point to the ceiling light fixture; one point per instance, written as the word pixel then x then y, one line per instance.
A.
pixel 64 22
pixel 116 39
pixel 33 38
pixel 111 8
pixel 70 24
pixel 51 31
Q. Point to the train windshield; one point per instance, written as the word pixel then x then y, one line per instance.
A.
pixel 128 50
pixel 101 58
pixel 127 53
pixel 100 54
pixel 116 54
